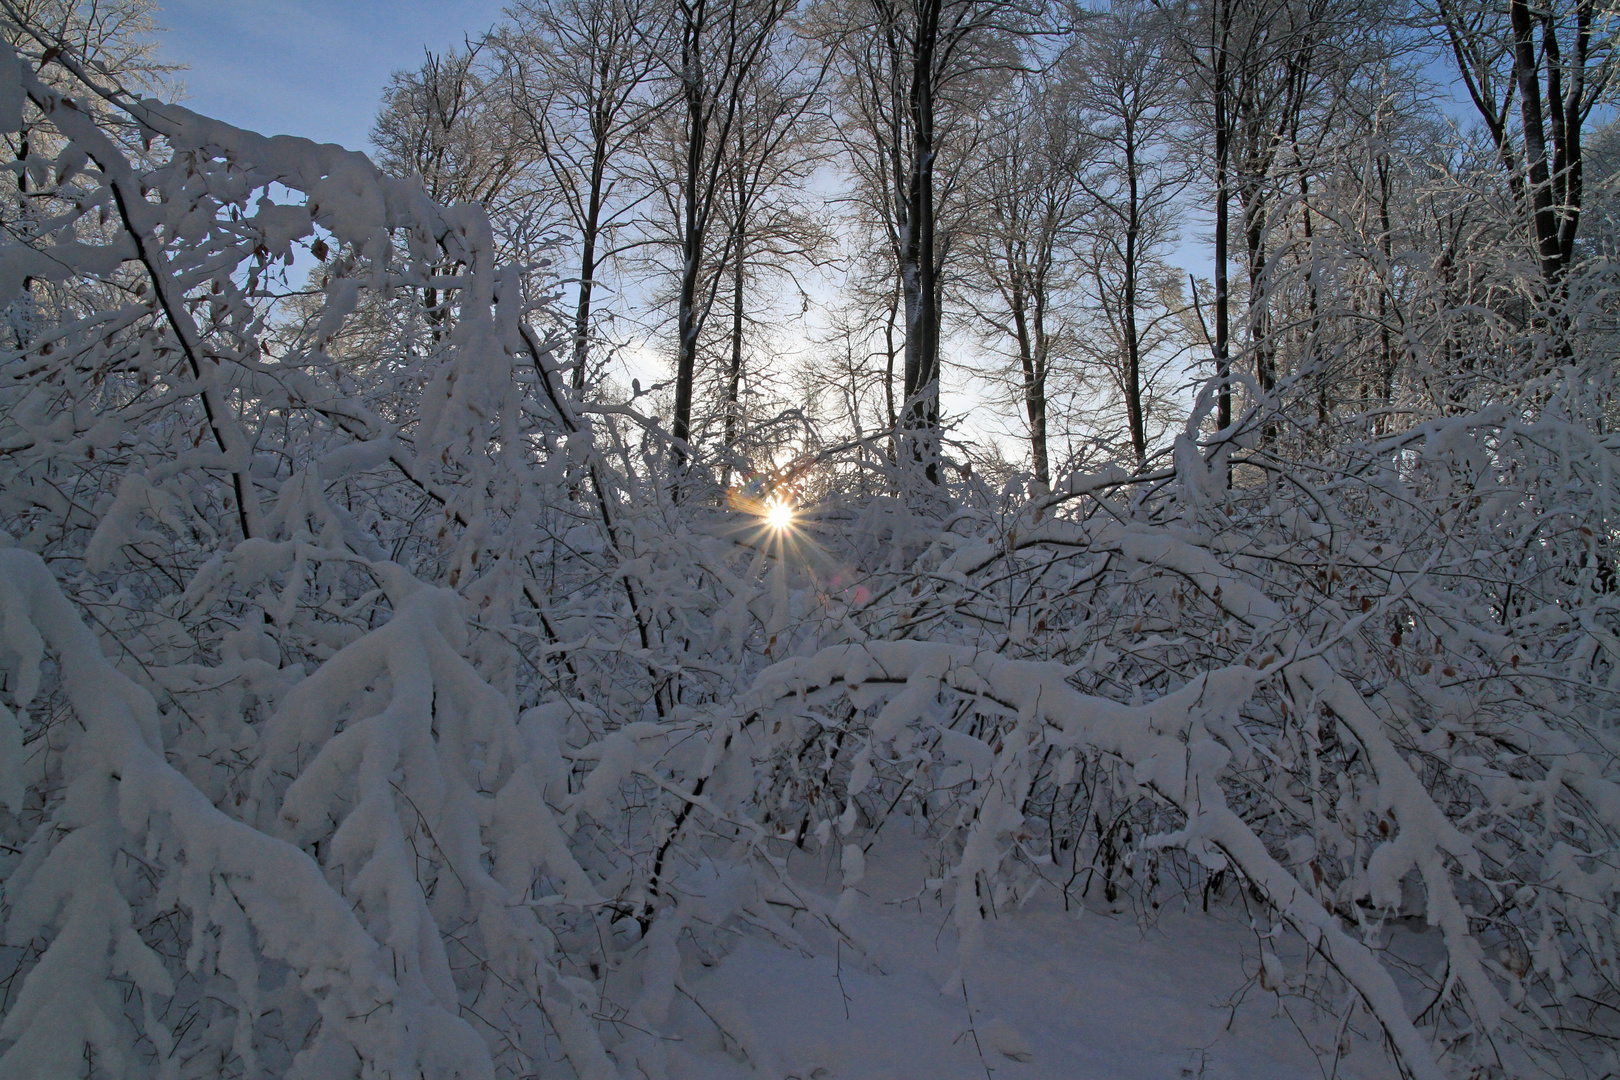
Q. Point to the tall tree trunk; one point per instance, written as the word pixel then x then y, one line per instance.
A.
pixel 734 374
pixel 918 268
pixel 1313 358
pixel 1567 155
pixel 587 263
pixel 1254 235
pixel 1223 144
pixel 1223 317
pixel 1133 341
pixel 1034 380
pixel 693 221
pixel 1526 69
pixel 890 352
pixel 1386 371
pixel 1037 420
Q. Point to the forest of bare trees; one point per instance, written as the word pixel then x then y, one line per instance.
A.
pixel 749 536
pixel 1041 206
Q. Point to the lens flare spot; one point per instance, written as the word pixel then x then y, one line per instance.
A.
pixel 779 514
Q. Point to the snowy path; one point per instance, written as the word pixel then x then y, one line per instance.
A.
pixel 1089 997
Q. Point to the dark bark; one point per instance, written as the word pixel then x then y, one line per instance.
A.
pixel 734 369
pixel 1543 160
pixel 579 72
pixel 717 59
pixel 590 228
pixel 920 61
pixel 1526 69
pixel 918 268
pixel 1221 32
pixel 694 207
pixel 1133 342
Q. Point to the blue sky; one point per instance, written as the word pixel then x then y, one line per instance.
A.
pixel 314 68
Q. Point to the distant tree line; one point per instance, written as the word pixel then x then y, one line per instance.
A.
pixel 1011 184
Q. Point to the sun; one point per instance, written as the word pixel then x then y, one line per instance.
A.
pixel 779 514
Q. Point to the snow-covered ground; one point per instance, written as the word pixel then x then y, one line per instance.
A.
pixel 1091 994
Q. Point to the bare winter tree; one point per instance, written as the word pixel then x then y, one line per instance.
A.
pixel 774 149
pixel 117 37
pixel 1123 75
pixel 716 50
pixel 582 76
pixel 917 70
pixel 449 123
pixel 1261 69
pixel 1028 197
pixel 1556 61
pixel 1209 36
